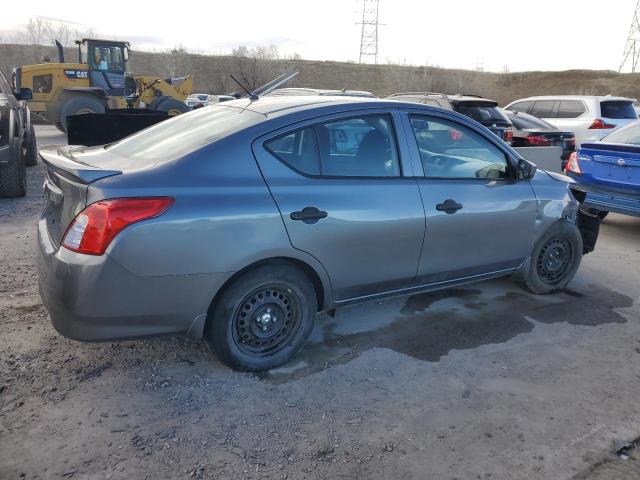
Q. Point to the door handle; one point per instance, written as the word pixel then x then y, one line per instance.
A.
pixel 449 206
pixel 308 215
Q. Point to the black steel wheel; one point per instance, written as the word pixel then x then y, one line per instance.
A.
pixel 555 259
pixel 263 318
pixel 266 320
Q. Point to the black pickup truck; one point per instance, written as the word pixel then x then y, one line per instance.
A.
pixel 17 140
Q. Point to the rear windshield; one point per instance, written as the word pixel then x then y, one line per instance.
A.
pixel 523 121
pixel 482 113
pixel 184 134
pixel 618 109
pixel 629 135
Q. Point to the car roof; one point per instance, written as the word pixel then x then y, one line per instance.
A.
pixel 320 91
pixel 271 106
pixel 459 97
pixel 600 98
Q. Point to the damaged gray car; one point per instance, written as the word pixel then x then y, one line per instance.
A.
pixel 238 222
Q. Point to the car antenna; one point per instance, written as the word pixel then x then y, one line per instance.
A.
pixel 275 83
pixel 251 96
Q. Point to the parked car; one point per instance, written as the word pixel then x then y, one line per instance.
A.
pixel 482 110
pixel 17 140
pixel 589 117
pixel 238 222
pixel 608 172
pixel 530 131
pixel 301 91
pixel 204 99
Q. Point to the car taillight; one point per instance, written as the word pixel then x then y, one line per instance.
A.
pixel 599 124
pixel 573 165
pixel 96 226
pixel 508 135
pixel 538 140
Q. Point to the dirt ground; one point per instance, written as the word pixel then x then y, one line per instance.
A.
pixel 483 382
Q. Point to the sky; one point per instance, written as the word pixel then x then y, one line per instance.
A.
pixel 495 35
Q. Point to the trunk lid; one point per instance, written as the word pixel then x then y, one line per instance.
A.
pixel 617 166
pixel 65 186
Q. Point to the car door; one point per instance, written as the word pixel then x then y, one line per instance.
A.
pixel 479 220
pixel 340 186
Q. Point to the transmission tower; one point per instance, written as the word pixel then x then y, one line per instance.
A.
pixel 369 37
pixel 632 49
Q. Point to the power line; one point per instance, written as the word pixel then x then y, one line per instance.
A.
pixel 369 37
pixel 632 49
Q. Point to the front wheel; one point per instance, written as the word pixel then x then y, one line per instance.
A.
pixel 554 261
pixel 31 149
pixel 263 318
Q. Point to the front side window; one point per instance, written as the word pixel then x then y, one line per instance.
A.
pixel 450 150
pixel 362 146
pixel 543 108
pixel 42 83
pixel 522 107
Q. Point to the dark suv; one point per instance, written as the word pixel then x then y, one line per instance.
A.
pixel 482 110
pixel 17 140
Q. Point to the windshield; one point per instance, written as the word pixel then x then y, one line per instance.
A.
pixel 184 134
pixel 629 135
pixel 524 121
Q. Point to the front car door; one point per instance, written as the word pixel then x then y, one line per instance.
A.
pixel 340 186
pixel 480 221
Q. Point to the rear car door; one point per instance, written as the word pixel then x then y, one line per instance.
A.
pixel 479 220
pixel 340 186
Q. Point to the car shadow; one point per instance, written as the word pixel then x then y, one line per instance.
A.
pixel 428 326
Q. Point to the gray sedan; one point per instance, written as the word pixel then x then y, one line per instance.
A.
pixel 238 222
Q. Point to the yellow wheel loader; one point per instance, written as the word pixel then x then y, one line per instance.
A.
pixel 97 83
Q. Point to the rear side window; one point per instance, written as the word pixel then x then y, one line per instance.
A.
pixel 571 109
pixel 543 108
pixel 522 107
pixel 361 146
pixel 449 150
pixel 618 109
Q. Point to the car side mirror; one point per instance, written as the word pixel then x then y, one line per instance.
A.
pixel 23 94
pixel 526 169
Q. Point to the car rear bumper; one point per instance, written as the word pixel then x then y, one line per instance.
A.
pixel 94 298
pixel 609 201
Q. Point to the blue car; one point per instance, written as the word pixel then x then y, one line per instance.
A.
pixel 608 173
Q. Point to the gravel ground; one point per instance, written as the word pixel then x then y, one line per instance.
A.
pixel 474 383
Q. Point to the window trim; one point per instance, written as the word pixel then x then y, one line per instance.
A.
pixel 312 123
pixel 415 150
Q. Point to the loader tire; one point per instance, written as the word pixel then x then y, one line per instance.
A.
pixel 171 106
pixel 77 105
pixel 13 175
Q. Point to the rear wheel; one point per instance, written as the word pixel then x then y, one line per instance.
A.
pixel 31 149
pixel 263 318
pixel 555 259
pixel 78 105
pixel 13 175
pixel 170 105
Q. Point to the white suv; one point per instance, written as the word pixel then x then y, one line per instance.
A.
pixel 589 117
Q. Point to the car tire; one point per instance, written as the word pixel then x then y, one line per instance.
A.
pixel 13 175
pixel 171 106
pixel 262 319
pixel 78 105
pixel 31 149
pixel 554 260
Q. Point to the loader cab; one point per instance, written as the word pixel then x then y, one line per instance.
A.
pixel 107 62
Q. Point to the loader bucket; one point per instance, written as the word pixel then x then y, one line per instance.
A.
pixel 92 129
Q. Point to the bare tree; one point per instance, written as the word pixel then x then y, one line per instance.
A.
pixel 256 66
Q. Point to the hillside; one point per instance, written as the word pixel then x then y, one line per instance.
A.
pixel 211 74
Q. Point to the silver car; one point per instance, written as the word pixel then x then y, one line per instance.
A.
pixel 238 222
